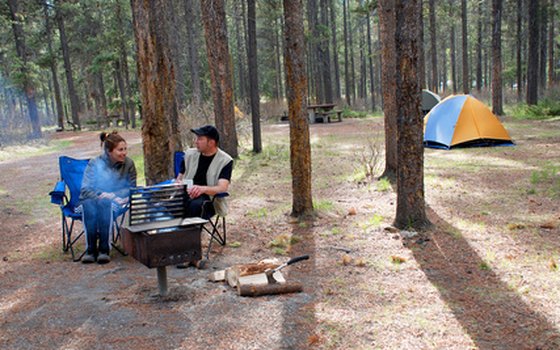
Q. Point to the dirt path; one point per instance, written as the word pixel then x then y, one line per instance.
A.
pixel 484 277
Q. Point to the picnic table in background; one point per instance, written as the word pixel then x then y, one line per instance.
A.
pixel 324 111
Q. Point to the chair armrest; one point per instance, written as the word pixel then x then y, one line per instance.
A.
pixel 221 195
pixel 58 194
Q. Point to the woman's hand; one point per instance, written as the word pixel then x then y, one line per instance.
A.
pixel 107 195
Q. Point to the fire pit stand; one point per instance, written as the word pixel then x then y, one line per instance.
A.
pixel 158 234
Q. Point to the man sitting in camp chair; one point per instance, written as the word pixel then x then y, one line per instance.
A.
pixel 209 168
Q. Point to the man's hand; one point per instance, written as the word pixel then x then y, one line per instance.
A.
pixel 196 191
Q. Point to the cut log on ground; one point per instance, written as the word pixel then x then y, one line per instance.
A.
pixel 233 273
pixel 269 289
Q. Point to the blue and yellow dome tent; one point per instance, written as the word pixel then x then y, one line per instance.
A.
pixel 463 121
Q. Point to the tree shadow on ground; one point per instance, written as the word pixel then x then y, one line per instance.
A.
pixel 299 315
pixel 494 315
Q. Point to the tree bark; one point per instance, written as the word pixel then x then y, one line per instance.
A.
pixel 551 74
pixel 533 58
pixel 479 48
pixel 74 101
pixel 296 83
pixel 254 76
pixel 215 29
pixel 130 117
pixel 518 49
pixel 387 21
pixel 465 50
pixel 324 49
pixel 157 88
pixel 54 69
pixel 370 62
pixel 497 107
pixel 192 51
pixel 433 45
pixel 347 90
pixel 411 211
pixel 336 64
pixel 421 54
pixel 27 83
pixel 241 50
pixel 543 26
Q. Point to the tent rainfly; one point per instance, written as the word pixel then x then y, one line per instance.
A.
pixel 463 121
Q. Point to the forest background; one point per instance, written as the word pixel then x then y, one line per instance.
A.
pixel 72 64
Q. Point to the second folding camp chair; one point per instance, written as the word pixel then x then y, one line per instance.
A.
pixel 66 194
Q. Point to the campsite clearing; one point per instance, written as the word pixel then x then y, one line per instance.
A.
pixel 484 277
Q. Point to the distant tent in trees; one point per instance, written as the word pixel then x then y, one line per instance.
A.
pixel 429 100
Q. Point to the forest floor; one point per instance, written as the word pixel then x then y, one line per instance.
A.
pixel 485 276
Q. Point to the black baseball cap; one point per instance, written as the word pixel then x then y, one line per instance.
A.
pixel 209 131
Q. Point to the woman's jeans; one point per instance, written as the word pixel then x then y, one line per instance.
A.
pixel 98 223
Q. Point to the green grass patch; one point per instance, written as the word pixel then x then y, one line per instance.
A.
pixel 33 149
pixel 544 109
pixel 139 164
pixel 258 213
pixel 383 185
pixel 547 177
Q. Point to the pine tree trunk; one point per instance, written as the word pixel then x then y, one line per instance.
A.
pixel 518 49
pixel 54 69
pixel 453 59
pixel 241 71
pixel 387 21
pixel 370 63
pixel 74 101
pixel 421 53
pixel 543 24
pixel 336 65
pixel 433 45
pixel 465 49
pixel 130 117
pixel 533 59
pixel 352 62
pixel 157 88
pixel 192 51
pixel 254 76
pixel 215 29
pixel 324 50
pixel 347 90
pixel 122 91
pixel 497 107
pixel 551 43
pixel 300 148
pixel 28 86
pixel 411 213
pixel 479 48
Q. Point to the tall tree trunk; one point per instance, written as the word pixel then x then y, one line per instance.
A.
pixel 497 107
pixel 192 51
pixel 300 148
pixel 254 76
pixel 54 69
pixel 453 59
pixel 27 83
pixel 543 24
pixel 325 57
pixel 336 65
pixel 551 43
pixel 387 21
pixel 347 90
pixel 278 50
pixel 157 88
pixel 122 91
pixel 533 59
pixel 74 101
pixel 314 55
pixel 433 45
pixel 352 62
pixel 421 53
pixel 479 48
pixel 370 61
pixel 518 49
pixel 465 49
pixel 123 56
pixel 215 32
pixel 411 212
pixel 362 87
pixel 241 71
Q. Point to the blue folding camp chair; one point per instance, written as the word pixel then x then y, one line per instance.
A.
pixel 66 194
pixel 216 221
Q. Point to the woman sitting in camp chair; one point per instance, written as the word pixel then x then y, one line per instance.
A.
pixel 105 190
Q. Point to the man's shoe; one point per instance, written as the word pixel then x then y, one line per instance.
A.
pixel 88 258
pixel 103 258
